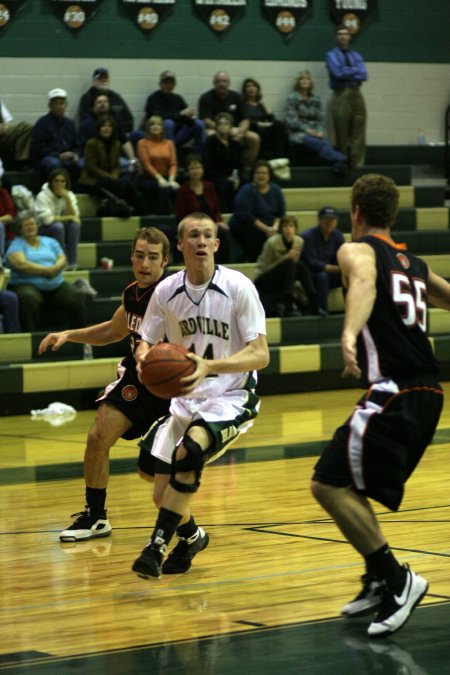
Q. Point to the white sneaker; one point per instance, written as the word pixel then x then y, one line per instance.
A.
pixel 395 610
pixel 367 600
pixel 85 527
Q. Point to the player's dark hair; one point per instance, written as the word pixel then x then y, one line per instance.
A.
pixel 153 236
pixel 377 197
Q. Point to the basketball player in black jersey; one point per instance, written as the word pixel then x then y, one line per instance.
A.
pixel 126 409
pixel 384 341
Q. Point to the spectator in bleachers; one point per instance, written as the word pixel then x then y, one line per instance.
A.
pixel 258 207
pixel 102 169
pixel 279 267
pixel 158 167
pixel 180 119
pixel 347 72
pixel 58 214
pixel 9 307
pixel 320 254
pixel 222 156
pixel 37 264
pixel 15 140
pixel 88 129
pixel 222 99
pixel 197 195
pixel 7 215
pixel 118 108
pixel 54 139
pixel 305 123
pixel 272 132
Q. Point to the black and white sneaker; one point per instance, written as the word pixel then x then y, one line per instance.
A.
pixel 180 559
pixel 395 610
pixel 86 527
pixel 149 562
pixel 367 600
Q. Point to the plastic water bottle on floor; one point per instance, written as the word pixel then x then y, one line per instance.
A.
pixel 88 353
pixel 421 137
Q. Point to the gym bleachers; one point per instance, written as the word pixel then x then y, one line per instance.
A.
pixel 305 351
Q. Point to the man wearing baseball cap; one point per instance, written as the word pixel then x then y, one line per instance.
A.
pixel 54 138
pixel 118 108
pixel 319 253
pixel 180 119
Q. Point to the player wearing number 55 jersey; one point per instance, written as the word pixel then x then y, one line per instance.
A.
pixel 215 312
pixel 373 454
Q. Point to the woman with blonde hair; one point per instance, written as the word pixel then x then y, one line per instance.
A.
pixel 305 123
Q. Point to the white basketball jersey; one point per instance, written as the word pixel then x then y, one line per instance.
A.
pixel 215 321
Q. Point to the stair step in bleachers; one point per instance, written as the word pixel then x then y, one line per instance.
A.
pixel 323 176
pixel 298 199
pixel 406 154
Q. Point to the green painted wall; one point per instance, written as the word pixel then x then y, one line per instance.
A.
pixel 402 31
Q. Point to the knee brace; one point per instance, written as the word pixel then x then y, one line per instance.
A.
pixel 194 461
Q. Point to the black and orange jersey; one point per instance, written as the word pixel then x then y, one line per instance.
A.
pixel 394 343
pixel 135 301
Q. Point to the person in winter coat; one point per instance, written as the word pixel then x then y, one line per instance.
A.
pixel 58 214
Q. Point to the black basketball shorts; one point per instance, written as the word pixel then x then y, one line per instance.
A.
pixel 378 447
pixel 129 396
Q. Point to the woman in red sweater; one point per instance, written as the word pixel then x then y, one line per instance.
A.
pixel 158 162
pixel 197 195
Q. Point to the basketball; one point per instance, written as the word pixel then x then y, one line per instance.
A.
pixel 164 365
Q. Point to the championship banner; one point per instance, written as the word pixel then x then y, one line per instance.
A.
pixel 8 10
pixel 148 14
pixel 75 14
pixel 221 14
pixel 354 14
pixel 286 15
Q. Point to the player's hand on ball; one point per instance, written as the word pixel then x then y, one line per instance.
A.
pixel 201 371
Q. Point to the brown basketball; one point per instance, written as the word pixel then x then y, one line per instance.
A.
pixel 164 365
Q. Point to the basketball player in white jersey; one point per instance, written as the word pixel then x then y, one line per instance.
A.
pixel 216 314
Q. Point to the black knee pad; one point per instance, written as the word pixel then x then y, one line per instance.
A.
pixel 194 461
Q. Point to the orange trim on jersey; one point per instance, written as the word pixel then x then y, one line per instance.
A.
pixel 402 391
pixel 391 242
pixel 129 285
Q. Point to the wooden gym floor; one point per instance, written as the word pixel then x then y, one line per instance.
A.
pixel 264 597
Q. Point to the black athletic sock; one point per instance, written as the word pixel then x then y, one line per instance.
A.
pixel 188 529
pixel 387 567
pixel 370 571
pixel 95 499
pixel 165 527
